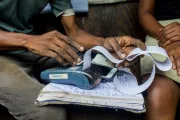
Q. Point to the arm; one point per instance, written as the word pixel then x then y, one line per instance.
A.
pixel 120 45
pixel 9 40
pixel 74 32
pixel 147 20
pixel 168 36
pixel 52 44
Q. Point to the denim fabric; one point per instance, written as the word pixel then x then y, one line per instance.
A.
pixel 19 88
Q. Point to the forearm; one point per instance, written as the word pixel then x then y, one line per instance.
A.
pixel 85 39
pixel 74 32
pixel 150 24
pixel 9 40
pixel 147 19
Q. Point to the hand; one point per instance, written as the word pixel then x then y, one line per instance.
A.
pixel 173 51
pixel 122 46
pixel 170 34
pixel 55 45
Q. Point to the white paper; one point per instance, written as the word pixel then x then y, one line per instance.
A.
pixel 119 80
pixel 105 95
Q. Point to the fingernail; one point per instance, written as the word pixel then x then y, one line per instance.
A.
pixel 81 48
pixel 74 63
pixel 79 63
pixel 79 60
pixel 123 56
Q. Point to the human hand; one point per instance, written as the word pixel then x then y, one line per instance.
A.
pixel 173 51
pixel 55 45
pixel 122 46
pixel 169 34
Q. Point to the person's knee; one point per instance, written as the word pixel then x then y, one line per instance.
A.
pixel 52 113
pixel 162 92
pixel 8 71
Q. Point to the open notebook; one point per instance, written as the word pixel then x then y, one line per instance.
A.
pixel 123 92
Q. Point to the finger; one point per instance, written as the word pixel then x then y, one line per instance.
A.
pixel 70 41
pixel 178 65
pixel 169 36
pixel 127 50
pixel 169 26
pixel 138 43
pixel 74 57
pixel 172 40
pixel 173 64
pixel 73 54
pixel 114 55
pixel 67 57
pixel 52 54
pixel 114 44
pixel 167 31
pixel 176 56
pixel 62 53
pixel 171 56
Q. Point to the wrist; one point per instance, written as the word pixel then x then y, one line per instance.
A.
pixel 159 34
pixel 19 38
pixel 26 42
pixel 101 41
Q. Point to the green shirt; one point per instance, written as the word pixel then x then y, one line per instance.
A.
pixel 17 15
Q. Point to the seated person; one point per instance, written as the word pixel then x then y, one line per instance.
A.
pixel 23 52
pixel 160 19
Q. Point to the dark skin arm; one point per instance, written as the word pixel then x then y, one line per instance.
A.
pixel 74 32
pixel 9 40
pixel 52 44
pixel 147 20
pixel 58 46
pixel 168 36
pixel 121 45
pixel 171 42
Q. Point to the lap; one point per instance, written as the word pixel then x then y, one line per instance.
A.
pixel 18 92
pixel 164 89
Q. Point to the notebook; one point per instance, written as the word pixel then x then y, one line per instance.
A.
pixel 122 92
